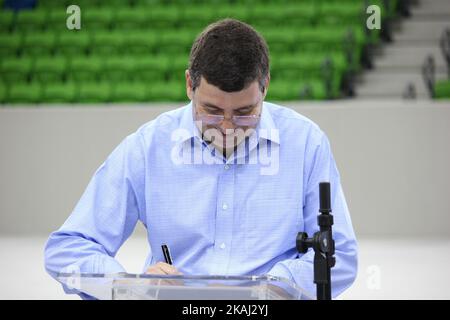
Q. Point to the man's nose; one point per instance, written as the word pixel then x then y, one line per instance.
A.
pixel 227 126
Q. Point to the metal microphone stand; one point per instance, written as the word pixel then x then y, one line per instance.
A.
pixel 323 244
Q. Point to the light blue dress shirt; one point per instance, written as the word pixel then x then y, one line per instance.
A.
pixel 235 216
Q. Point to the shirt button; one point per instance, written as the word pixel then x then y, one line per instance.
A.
pixel 226 167
pixel 222 246
pixel 224 206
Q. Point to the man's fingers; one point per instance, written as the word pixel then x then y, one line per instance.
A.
pixel 154 270
pixel 162 268
pixel 168 269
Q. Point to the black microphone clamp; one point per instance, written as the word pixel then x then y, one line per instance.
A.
pixel 322 243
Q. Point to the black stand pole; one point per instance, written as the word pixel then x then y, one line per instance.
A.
pixel 323 244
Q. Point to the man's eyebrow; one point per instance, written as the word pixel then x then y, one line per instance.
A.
pixel 210 105
pixel 245 107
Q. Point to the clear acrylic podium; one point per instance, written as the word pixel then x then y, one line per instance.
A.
pixel 124 286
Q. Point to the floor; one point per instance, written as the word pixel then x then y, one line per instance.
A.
pixel 388 269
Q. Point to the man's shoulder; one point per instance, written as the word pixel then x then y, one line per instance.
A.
pixel 289 120
pixel 165 122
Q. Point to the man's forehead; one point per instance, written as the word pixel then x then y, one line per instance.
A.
pixel 212 96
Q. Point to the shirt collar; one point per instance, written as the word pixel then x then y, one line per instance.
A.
pixel 266 128
pixel 187 124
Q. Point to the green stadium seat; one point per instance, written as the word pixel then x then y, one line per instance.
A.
pixel 31 20
pixel 197 17
pixel 3 93
pixel 162 17
pixel 83 68
pixel 6 20
pixel 53 4
pixel 131 92
pixel 151 69
pixel 309 68
pixel 107 43
pixel 49 69
pixel 57 19
pixel 287 15
pixel 177 67
pixel 140 43
pixel 59 92
pixel 319 40
pixel 146 3
pixel 118 69
pixel 342 13
pixel 167 91
pixel 329 40
pixel 236 11
pixel 338 59
pixel 38 44
pixel 280 40
pixel 298 14
pixel 138 50
pixel 25 93
pixel 130 18
pixel 289 67
pixel 73 43
pixel 119 4
pixel 95 19
pixel 173 42
pixel 442 89
pixel 299 90
pixel 94 92
pixel 10 44
pixel 14 70
pixel 282 91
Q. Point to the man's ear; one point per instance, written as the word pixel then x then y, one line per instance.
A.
pixel 189 91
pixel 266 85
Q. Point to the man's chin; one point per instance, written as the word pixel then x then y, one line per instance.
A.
pixel 223 147
pixel 226 144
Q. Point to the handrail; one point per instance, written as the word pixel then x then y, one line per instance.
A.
pixel 428 73
pixel 445 47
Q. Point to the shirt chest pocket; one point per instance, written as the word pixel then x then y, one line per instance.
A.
pixel 271 226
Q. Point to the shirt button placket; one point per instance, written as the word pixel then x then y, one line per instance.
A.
pixel 224 218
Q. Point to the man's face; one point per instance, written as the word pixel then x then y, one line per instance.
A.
pixel 225 118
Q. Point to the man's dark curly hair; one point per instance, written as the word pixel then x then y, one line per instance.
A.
pixel 230 55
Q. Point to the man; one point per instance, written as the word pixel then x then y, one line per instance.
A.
pixel 226 181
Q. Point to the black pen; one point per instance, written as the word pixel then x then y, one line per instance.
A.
pixel 166 253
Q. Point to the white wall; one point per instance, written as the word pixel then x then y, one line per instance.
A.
pixel 394 160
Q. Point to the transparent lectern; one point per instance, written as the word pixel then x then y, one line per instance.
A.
pixel 124 286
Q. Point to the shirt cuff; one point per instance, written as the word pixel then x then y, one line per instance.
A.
pixel 109 265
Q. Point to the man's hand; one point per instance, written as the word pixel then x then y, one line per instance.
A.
pixel 163 268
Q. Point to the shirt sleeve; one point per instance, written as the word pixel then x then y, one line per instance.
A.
pixel 104 217
pixel 320 166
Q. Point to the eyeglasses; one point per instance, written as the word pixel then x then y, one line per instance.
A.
pixel 216 119
pixel 240 121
